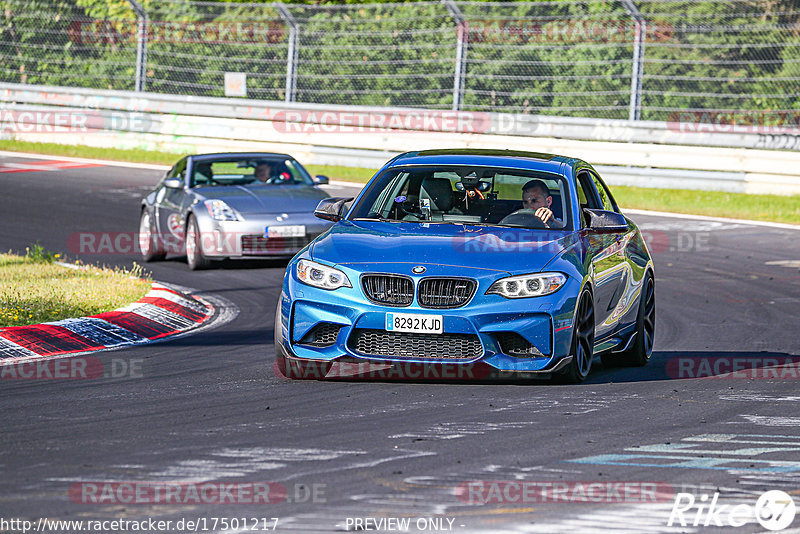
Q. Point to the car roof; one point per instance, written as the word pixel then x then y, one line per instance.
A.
pixel 243 155
pixel 515 159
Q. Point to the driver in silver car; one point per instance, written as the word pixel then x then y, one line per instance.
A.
pixel 263 172
pixel 274 172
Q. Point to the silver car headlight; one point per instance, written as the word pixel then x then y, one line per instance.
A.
pixel 527 285
pixel 321 276
pixel 220 211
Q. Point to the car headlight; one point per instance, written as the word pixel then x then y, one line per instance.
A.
pixel 527 285
pixel 321 276
pixel 221 211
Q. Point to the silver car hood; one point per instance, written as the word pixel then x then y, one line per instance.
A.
pixel 265 198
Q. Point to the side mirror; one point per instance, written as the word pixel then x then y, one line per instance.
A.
pixel 173 183
pixel 321 180
pixel 331 209
pixel 605 221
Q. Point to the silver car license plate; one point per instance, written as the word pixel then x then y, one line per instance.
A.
pixel 285 231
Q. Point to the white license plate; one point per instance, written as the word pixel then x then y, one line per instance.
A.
pixel 414 322
pixel 285 231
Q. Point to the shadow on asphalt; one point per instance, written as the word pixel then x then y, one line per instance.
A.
pixel 704 365
pixel 245 264
pixel 219 338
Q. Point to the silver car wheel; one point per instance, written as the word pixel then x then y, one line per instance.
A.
pixel 145 235
pixel 148 239
pixel 191 244
pixel 194 253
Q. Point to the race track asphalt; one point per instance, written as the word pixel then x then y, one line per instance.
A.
pixel 208 407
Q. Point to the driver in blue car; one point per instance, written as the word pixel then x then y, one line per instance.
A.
pixel 536 196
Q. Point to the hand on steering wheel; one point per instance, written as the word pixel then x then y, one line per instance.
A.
pixel 545 214
pixel 525 218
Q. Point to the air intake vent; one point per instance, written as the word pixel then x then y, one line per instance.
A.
pixel 401 345
pixel 514 344
pixel 322 335
pixel 445 292
pixel 391 290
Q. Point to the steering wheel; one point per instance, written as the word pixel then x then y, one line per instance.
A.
pixel 409 205
pixel 281 178
pixel 525 218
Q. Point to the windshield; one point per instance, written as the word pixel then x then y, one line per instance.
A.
pixel 252 171
pixel 468 195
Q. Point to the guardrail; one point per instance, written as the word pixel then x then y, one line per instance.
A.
pixel 690 153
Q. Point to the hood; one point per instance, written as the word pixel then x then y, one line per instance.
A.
pixel 265 198
pixel 510 250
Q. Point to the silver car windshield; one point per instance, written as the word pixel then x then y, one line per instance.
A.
pixel 250 171
pixel 468 195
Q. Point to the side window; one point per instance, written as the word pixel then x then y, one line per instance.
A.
pixel 605 197
pixel 179 170
pixel 586 194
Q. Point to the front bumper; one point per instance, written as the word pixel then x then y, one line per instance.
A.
pixel 245 239
pixel 343 315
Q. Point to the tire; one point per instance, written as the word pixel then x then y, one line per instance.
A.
pixel 194 252
pixel 280 354
pixel 638 354
pixel 148 240
pixel 582 350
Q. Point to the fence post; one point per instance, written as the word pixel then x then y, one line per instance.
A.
pixel 141 44
pixel 461 53
pixel 640 34
pixel 292 52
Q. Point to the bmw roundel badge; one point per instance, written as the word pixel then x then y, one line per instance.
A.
pixel 419 269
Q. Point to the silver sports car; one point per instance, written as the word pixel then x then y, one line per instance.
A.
pixel 232 205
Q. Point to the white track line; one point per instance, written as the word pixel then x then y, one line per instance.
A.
pixel 708 218
pixel 87 160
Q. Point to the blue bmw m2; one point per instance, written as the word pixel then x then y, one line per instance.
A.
pixel 518 263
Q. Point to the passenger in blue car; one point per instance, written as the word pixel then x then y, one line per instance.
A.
pixel 536 196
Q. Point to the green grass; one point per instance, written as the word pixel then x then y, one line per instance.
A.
pixel 35 290
pixel 349 174
pixel 114 154
pixel 774 208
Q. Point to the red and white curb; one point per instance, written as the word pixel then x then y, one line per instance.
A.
pixel 163 312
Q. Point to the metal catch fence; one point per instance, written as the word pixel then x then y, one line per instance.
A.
pixel 621 59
